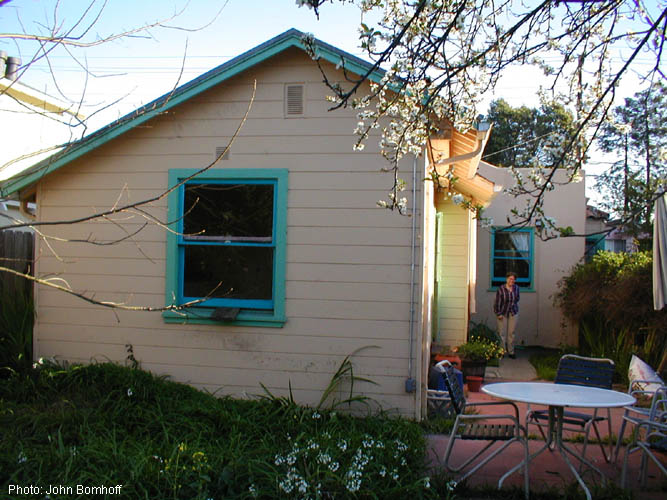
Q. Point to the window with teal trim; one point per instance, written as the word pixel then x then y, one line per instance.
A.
pixel 229 248
pixel 512 251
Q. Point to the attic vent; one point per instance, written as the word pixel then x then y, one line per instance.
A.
pixel 294 100
pixel 219 150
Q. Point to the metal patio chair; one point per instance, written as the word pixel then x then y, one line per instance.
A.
pixel 579 370
pixel 479 428
pixel 438 402
pixel 635 414
pixel 649 436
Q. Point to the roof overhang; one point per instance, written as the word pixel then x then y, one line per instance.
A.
pixel 456 155
pixel 35 98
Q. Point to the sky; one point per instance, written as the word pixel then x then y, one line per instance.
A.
pixel 146 68
pixel 133 71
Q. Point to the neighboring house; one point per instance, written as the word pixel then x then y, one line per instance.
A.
pixel 539 264
pixel 604 234
pixel 34 124
pixel 281 241
pixel 11 212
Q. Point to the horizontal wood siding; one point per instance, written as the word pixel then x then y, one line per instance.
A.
pixel 348 261
pixel 452 271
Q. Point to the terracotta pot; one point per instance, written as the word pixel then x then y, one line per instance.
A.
pixel 474 383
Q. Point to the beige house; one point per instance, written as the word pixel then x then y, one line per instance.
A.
pixel 276 263
pixel 539 264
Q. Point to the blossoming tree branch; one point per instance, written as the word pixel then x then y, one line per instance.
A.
pixel 442 56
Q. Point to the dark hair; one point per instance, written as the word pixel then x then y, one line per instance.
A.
pixel 511 273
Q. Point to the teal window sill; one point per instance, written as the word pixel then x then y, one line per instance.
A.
pixel 202 316
pixel 521 290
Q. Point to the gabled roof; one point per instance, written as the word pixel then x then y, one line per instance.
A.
pixel 288 39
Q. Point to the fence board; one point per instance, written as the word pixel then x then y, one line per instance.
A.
pixel 16 253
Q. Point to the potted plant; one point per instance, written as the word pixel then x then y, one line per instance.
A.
pixel 476 353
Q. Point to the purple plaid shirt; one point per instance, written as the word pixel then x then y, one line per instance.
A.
pixel 507 301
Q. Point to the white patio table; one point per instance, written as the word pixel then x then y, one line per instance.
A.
pixel 557 397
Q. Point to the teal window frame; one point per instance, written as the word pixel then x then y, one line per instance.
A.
pixel 253 312
pixel 526 284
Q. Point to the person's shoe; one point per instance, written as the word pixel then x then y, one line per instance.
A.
pixel 513 356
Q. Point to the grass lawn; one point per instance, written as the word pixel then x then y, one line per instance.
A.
pixel 81 429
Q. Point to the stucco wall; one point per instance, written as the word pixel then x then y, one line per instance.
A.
pixel 348 261
pixel 540 322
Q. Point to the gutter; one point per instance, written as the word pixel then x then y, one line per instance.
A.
pixel 483 131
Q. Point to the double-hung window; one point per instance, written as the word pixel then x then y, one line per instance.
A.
pixel 227 250
pixel 512 251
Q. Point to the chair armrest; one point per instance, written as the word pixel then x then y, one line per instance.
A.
pixel 435 394
pixel 653 427
pixel 642 381
pixel 496 403
pixel 638 410
pixel 481 416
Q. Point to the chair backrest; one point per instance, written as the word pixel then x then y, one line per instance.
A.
pixel 455 391
pixel 591 372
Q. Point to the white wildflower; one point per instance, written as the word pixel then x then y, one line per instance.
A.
pixel 129 392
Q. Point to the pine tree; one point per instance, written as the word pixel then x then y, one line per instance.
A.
pixel 637 134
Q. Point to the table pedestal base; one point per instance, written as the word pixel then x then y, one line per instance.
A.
pixel 555 438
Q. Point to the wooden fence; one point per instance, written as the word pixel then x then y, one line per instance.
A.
pixel 16 252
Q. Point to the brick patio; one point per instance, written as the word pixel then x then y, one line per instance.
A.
pixel 549 469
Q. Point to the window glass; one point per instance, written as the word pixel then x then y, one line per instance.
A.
pixel 228 272
pixel 512 252
pixel 231 212
pixel 615 246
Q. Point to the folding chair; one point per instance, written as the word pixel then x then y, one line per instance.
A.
pixel 478 428
pixel 650 436
pixel 579 370
pixel 438 402
pixel 635 414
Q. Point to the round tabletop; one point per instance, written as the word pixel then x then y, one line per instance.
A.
pixel 544 393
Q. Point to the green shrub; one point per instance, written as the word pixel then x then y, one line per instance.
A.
pixel 484 331
pixel 16 321
pixel 104 424
pixel 611 299
pixel 480 349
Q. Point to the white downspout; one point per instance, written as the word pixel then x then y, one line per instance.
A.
pixel 411 383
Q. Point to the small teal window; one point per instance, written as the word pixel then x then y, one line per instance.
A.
pixel 512 251
pixel 227 244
